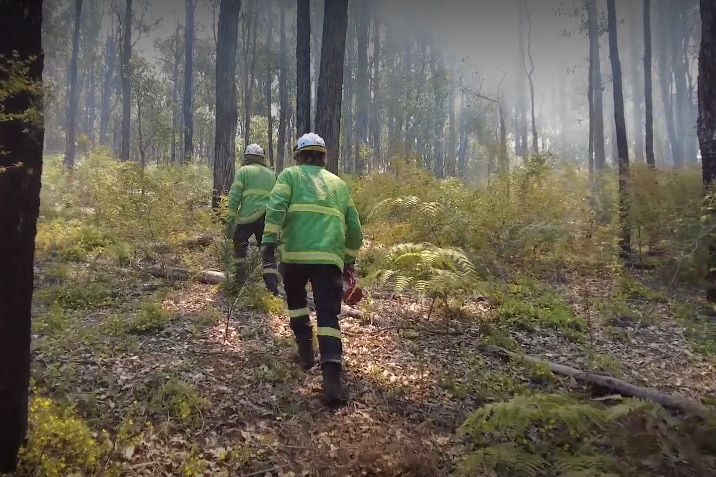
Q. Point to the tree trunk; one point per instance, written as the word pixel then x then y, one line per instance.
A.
pixel 226 107
pixel 282 88
pixel 648 87
pixel 73 91
pixel 593 26
pixel 678 62
pixel 622 144
pixel 20 183
pixel 665 81
pixel 91 105
pixel 330 79
pixel 303 67
pixel 269 80
pixel 126 83
pixel 590 100
pixel 529 72
pixel 107 86
pixel 462 152
pixel 362 91
pixel 707 121
pixel 636 85
pixel 249 35
pixel 187 102
pixel 450 158
pixel 376 104
pixel 175 94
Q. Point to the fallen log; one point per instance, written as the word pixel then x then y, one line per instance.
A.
pixel 214 277
pixel 604 381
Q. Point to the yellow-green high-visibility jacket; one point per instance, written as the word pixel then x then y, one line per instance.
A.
pixel 313 211
pixel 250 192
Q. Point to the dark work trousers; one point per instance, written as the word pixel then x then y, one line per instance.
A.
pixel 242 234
pixel 327 284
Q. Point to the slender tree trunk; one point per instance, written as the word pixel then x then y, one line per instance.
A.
pixel 636 86
pixel 124 154
pixel 362 90
pixel 251 30
pixel 529 72
pixel 188 103
pixel 226 108
pixel 20 183
pixel 269 80
pixel 282 88
pixel 665 74
pixel 375 104
pixel 303 67
pixel 74 93
pixel 175 94
pixel 622 144
pixel 590 101
pixel 107 87
pixel 593 25
pixel 648 95
pixel 707 124
pixel 330 80
pixel 91 104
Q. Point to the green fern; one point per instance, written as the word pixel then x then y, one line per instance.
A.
pixel 428 269
pixel 506 459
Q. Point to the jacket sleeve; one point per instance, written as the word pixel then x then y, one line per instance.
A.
pixel 354 233
pixel 276 208
pixel 237 189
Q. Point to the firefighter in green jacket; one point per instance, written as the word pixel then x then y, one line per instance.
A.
pixel 321 234
pixel 247 208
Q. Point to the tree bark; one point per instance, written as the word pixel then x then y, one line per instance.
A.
pixel 267 86
pixel 529 72
pixel 636 86
pixel 126 83
pixel 226 107
pixel 622 144
pixel 303 67
pixel 648 88
pixel 187 102
pixel 330 80
pixel 20 182
pixel 175 93
pixel 107 86
pixel 73 91
pixel 362 91
pixel 593 27
pixel 282 88
pixel 375 107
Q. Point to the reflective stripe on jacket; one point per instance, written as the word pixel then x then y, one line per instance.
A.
pixel 313 211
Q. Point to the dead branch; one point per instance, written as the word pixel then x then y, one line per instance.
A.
pixel 604 381
pixel 214 277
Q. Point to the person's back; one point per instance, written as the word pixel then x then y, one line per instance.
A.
pixel 319 214
pixel 247 207
pixel 313 211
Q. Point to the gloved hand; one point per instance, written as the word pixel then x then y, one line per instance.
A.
pixel 268 252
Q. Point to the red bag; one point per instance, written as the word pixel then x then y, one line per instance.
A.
pixel 352 294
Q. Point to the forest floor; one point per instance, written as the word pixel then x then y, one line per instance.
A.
pixel 181 388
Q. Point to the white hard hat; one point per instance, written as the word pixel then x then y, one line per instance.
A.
pixel 310 142
pixel 254 150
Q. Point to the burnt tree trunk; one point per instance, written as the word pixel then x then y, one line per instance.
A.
pixel 282 88
pixel 362 92
pixel 187 102
pixel 648 88
pixel 303 67
pixel 707 120
pixel 226 108
pixel 107 86
pixel 620 126
pixel 330 79
pixel 74 91
pixel 20 182
pixel 267 86
pixel 126 83
pixel 598 130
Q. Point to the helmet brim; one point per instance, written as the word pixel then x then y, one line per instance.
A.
pixel 310 148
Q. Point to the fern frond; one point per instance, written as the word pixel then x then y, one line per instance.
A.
pixel 506 457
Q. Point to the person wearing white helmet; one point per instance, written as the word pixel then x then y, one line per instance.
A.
pixel 321 234
pixel 247 208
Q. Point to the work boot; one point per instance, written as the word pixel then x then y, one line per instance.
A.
pixel 305 354
pixel 332 387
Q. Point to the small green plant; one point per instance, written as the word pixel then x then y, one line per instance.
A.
pixel 150 318
pixel 59 443
pixel 179 400
pixel 86 296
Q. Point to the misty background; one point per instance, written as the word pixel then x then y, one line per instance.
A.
pixel 477 50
